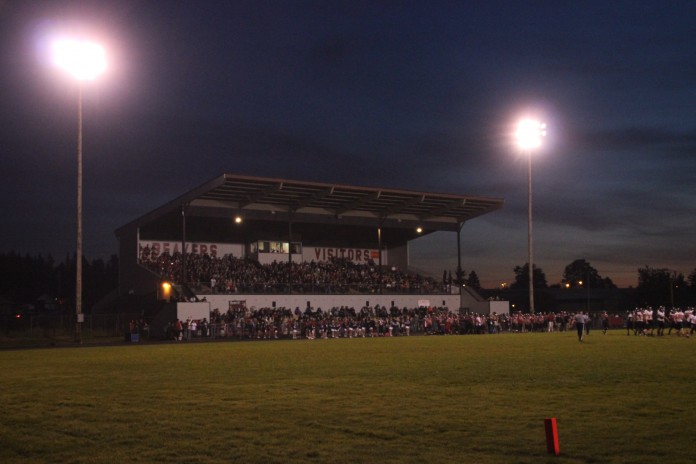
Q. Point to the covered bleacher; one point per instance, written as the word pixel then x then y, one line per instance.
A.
pixel 269 221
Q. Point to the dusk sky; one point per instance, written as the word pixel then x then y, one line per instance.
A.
pixel 408 95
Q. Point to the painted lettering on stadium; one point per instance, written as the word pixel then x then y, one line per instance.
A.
pixel 155 248
pixel 356 255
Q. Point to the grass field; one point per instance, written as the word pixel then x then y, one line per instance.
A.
pixel 477 399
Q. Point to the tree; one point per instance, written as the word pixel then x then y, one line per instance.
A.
pixel 522 277
pixel 459 277
pixel 692 288
pixel 658 287
pixel 580 273
pixel 26 279
pixel 474 281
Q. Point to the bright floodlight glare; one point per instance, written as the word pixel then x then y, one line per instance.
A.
pixel 529 133
pixel 84 60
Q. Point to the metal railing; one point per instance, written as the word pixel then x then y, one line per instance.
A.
pixel 284 288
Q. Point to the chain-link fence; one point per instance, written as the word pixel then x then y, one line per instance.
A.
pixel 56 326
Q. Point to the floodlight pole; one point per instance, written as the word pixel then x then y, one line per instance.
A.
pixel 78 253
pixel 529 232
pixel 588 289
pixel 84 60
pixel 672 278
pixel 529 134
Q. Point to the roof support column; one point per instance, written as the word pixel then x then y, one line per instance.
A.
pixel 291 214
pixel 379 247
pixel 183 244
pixel 460 278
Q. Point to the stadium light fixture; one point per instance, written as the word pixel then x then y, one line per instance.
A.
pixel 166 291
pixel 529 135
pixel 83 60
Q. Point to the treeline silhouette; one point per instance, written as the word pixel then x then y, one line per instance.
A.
pixel 47 284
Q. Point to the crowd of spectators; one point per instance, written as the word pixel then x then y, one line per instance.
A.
pixel 205 273
pixel 347 322
pixel 231 275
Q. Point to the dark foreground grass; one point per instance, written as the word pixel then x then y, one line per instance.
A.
pixel 478 399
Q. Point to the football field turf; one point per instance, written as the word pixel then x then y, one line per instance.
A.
pixel 477 399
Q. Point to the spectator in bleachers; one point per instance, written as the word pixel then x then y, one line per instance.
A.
pixel 249 276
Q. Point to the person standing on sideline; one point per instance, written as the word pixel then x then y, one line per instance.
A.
pixel 660 321
pixel 692 322
pixel 580 321
pixel 605 322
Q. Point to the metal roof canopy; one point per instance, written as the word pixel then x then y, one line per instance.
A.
pixel 313 202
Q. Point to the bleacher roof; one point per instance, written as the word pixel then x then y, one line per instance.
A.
pixel 263 198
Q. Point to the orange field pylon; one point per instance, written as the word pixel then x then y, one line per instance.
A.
pixel 552 436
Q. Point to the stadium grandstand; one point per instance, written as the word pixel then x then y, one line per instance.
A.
pixel 266 243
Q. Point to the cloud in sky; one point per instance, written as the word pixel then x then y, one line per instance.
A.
pixel 420 96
